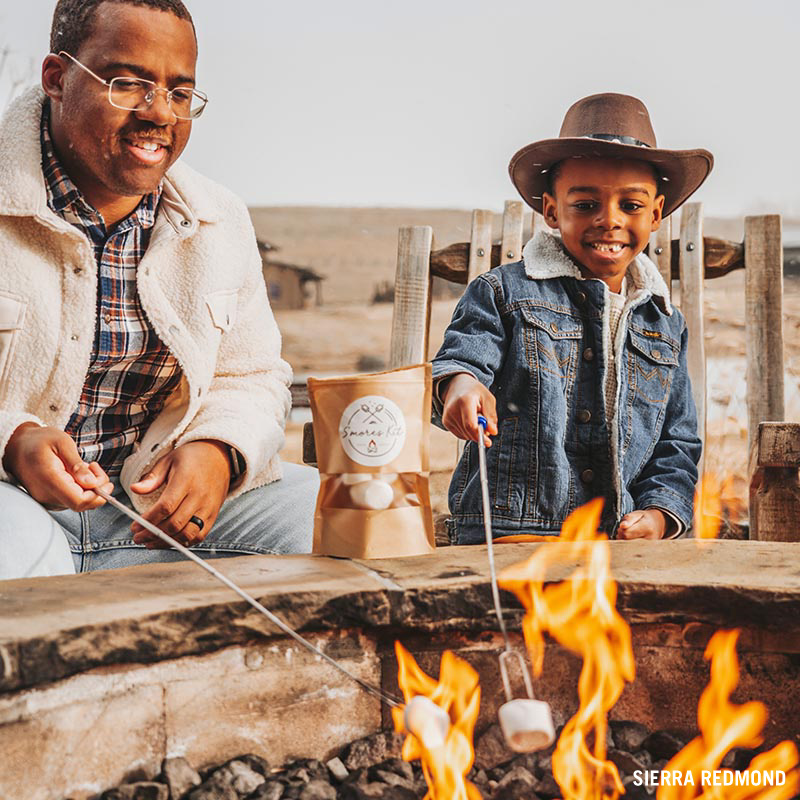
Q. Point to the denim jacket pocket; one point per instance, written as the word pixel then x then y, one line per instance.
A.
pixel 12 315
pixel 552 340
pixel 653 358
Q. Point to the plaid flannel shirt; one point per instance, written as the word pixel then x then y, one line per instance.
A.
pixel 131 371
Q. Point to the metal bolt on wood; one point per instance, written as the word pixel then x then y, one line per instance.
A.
pixel 481 252
pixel 690 246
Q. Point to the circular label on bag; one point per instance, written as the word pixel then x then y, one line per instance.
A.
pixel 372 430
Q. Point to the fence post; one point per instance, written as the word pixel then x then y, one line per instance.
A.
pixel 774 484
pixel 511 246
pixel 763 259
pixel 692 275
pixel 412 297
pixel 661 251
pixel 480 244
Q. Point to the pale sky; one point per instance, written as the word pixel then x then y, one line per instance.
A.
pixel 422 103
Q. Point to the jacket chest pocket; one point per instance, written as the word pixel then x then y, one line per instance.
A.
pixel 652 362
pixel 552 341
pixel 12 315
pixel 222 307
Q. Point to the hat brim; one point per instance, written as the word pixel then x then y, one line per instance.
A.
pixel 682 171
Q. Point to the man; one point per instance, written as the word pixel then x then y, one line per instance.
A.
pixel 136 340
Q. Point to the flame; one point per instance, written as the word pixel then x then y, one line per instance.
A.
pixel 724 726
pixel 458 693
pixel 580 613
pixel 708 507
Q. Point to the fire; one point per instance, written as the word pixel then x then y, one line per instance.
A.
pixel 444 765
pixel 708 507
pixel 580 613
pixel 724 726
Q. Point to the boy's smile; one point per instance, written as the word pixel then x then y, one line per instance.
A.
pixel 606 210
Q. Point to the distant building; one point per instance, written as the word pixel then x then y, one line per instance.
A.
pixel 289 286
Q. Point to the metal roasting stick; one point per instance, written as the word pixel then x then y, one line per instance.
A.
pixel 148 526
pixel 487 527
pixel 527 724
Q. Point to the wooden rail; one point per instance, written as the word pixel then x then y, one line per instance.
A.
pixel 721 257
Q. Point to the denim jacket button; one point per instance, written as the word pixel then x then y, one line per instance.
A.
pixel 581 297
pixel 588 354
pixel 584 415
pixel 655 354
pixel 587 476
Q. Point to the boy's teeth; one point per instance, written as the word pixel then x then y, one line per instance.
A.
pixel 607 248
pixel 152 146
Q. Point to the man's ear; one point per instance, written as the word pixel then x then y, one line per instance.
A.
pixel 658 212
pixel 549 210
pixel 53 76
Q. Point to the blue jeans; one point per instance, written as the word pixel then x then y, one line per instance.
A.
pixel 274 519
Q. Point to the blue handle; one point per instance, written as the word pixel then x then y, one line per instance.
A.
pixel 482 421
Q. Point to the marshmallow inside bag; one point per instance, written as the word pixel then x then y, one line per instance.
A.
pixel 351 478
pixel 527 724
pixel 372 494
pixel 427 721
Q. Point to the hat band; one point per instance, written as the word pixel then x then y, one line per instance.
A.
pixel 615 137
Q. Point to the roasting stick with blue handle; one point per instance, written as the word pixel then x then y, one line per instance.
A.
pixel 487 527
pixel 527 724
pixel 165 537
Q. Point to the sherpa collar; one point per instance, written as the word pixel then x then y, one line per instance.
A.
pixel 544 257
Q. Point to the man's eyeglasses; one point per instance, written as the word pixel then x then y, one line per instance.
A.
pixel 138 94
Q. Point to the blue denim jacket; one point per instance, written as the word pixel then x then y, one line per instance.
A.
pixel 537 334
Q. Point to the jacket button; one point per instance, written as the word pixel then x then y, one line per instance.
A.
pixel 554 327
pixel 581 297
pixel 584 415
pixel 588 354
pixel 587 476
pixel 185 223
pixel 655 354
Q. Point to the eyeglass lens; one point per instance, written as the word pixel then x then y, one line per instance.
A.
pixel 135 95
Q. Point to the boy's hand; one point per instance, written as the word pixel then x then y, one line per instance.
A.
pixel 465 397
pixel 47 463
pixel 648 524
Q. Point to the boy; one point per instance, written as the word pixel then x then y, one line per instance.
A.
pixel 575 355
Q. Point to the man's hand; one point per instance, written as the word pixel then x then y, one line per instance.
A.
pixel 648 524
pixel 465 397
pixel 195 477
pixel 46 462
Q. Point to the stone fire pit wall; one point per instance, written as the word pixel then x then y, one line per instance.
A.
pixel 103 675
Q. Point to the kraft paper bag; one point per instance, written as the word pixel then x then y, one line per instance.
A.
pixel 372 436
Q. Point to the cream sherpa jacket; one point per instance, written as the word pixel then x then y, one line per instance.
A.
pixel 200 283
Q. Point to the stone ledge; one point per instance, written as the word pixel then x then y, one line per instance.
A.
pixel 56 627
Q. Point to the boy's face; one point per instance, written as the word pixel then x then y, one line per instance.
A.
pixel 606 210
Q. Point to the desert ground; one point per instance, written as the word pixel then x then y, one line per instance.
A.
pixel 355 249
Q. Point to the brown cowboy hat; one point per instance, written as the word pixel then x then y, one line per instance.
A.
pixel 609 126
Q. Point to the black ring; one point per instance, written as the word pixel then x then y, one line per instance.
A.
pixel 197 521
